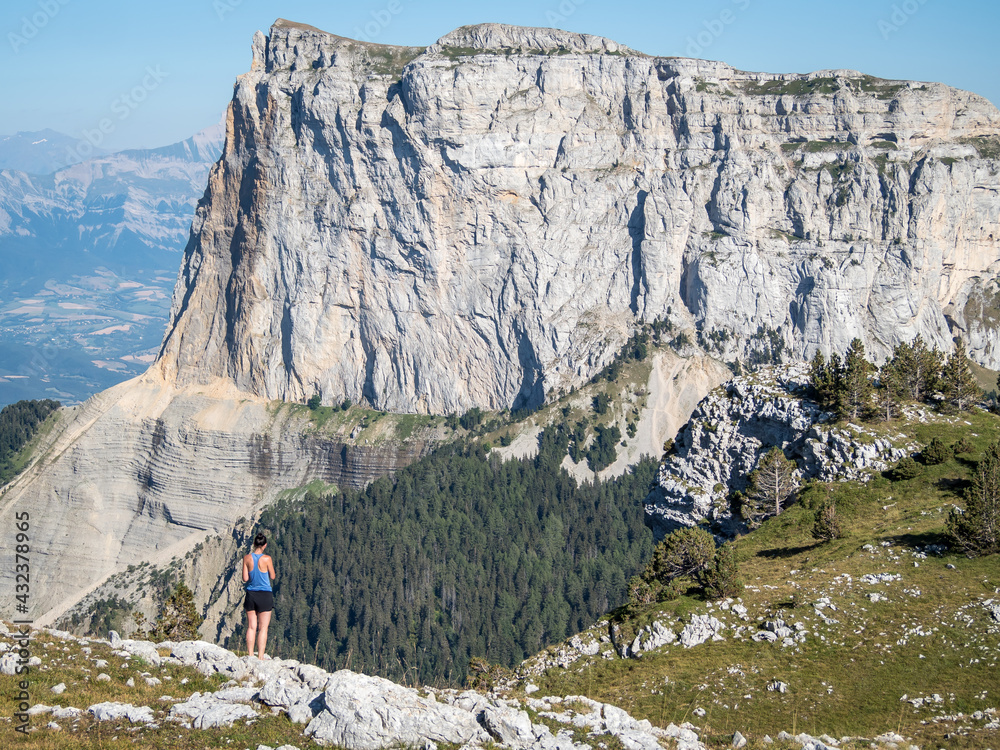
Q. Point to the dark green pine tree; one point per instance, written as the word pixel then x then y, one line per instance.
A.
pixel 976 530
pixel 722 579
pixel 958 383
pixel 889 392
pixel 854 389
pixel 823 381
pixel 178 619
pixel 917 368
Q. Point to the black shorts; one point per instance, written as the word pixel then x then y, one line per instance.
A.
pixel 258 601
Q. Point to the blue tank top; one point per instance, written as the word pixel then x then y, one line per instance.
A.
pixel 259 579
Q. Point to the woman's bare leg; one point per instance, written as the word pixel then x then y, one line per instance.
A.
pixel 265 619
pixel 252 629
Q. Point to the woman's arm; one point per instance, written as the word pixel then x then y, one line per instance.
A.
pixel 246 570
pixel 270 567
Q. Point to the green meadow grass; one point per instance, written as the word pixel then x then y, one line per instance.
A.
pixel 848 677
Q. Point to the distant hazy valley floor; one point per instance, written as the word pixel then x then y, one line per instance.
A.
pixel 88 259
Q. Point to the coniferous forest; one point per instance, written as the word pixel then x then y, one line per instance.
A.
pixel 456 556
pixel 18 423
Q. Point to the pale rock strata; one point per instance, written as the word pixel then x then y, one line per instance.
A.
pixel 114 711
pixel 207 712
pixel 141 472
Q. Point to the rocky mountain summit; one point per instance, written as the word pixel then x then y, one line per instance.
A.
pixel 483 221
pixel 739 422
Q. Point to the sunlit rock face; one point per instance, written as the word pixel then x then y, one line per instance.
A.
pixel 483 221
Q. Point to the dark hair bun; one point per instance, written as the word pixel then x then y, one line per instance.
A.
pixel 260 540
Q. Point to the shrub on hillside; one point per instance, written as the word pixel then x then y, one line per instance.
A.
pixel 601 403
pixel 827 524
pixel 905 469
pixel 640 591
pixel 485 676
pixel 722 579
pixel 684 552
pixel 962 445
pixel 178 619
pixel 936 453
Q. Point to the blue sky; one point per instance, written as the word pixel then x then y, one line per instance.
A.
pixel 69 64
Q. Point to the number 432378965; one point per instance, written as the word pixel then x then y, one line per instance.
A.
pixel 22 567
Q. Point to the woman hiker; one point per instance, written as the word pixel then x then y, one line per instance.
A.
pixel 258 572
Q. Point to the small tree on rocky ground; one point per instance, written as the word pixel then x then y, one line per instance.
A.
pixel 854 391
pixel 640 591
pixel 889 392
pixel 485 676
pixel 823 380
pixel 917 368
pixel 827 526
pixel 178 618
pixel 687 554
pixel 976 530
pixel 771 486
pixel 958 383
pixel 722 578
pixel 905 468
pixel 684 552
pixel 139 620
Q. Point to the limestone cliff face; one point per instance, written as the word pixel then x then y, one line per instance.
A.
pixel 482 221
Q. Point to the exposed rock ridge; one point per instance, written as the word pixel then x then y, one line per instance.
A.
pixel 359 712
pixel 490 37
pixel 739 422
pixel 484 221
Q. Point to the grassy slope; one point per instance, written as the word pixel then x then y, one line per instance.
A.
pixel 73 663
pixel 930 634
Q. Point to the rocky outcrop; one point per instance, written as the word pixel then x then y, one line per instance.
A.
pixel 368 713
pixel 359 712
pixel 482 222
pixel 740 421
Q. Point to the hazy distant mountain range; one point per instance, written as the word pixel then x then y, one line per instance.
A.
pixel 42 151
pixel 88 258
